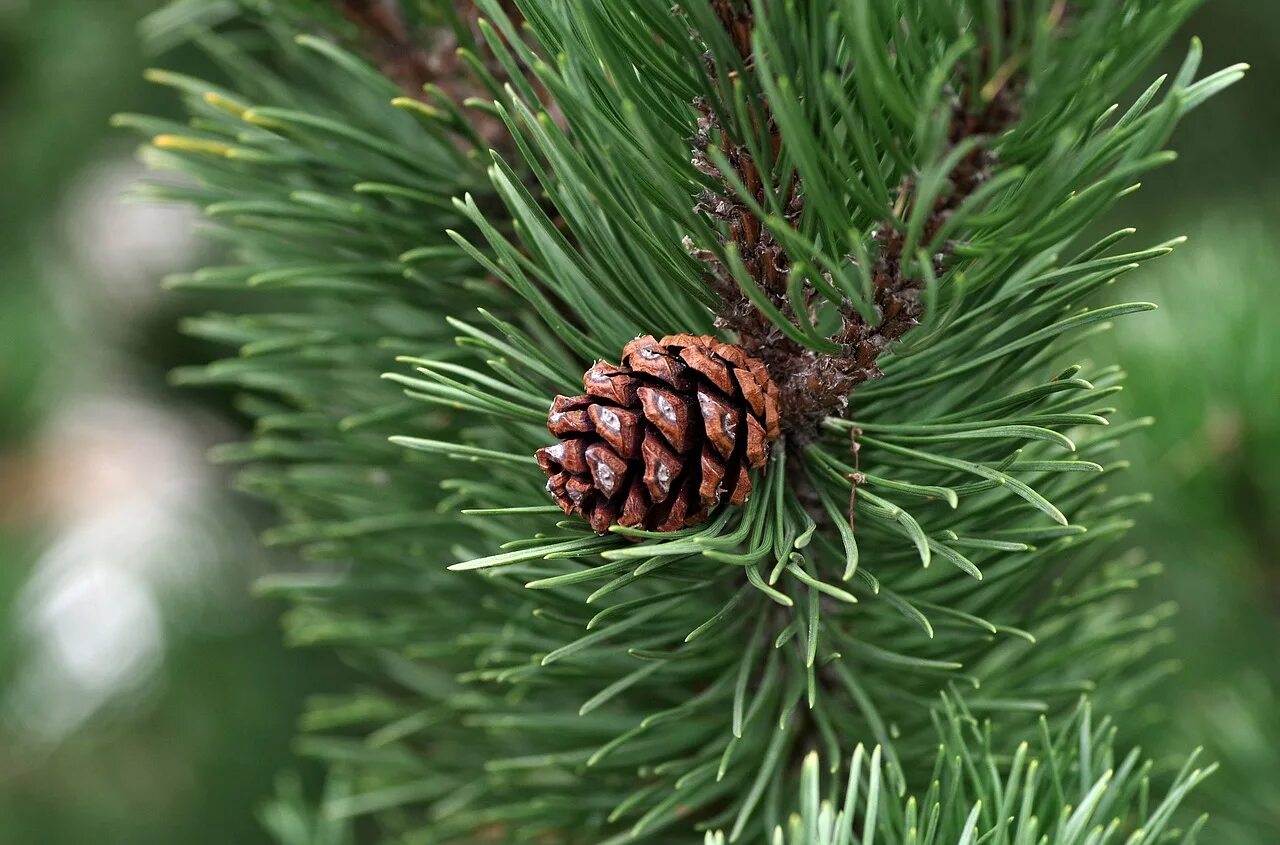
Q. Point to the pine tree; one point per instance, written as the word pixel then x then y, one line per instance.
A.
pixel 913 622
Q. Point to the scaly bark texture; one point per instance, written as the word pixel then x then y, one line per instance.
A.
pixel 815 385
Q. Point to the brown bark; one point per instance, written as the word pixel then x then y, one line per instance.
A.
pixel 414 60
pixel 816 385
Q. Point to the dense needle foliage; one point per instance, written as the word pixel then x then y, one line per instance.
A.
pixel 933 572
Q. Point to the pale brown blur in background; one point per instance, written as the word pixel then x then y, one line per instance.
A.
pixel 144 694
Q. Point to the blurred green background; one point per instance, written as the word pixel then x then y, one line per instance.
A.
pixel 144 697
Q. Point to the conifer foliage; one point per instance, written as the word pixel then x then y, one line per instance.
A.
pixel 880 202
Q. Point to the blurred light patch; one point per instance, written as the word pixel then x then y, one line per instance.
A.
pixel 139 529
pixel 143 543
pixel 122 246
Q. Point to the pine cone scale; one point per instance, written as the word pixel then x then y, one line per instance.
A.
pixel 664 438
pixel 669 413
pixel 661 466
pixel 620 428
pixel 719 421
pixel 568 416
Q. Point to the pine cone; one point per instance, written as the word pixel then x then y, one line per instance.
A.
pixel 660 441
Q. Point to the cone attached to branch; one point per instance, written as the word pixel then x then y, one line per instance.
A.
pixel 660 441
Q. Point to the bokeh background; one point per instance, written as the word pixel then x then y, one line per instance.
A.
pixel 144 695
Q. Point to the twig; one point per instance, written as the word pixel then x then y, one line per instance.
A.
pixel 816 385
pixel 388 45
pixel 856 478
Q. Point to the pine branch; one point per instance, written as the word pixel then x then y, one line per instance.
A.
pixel 816 385
pixel 426 60
pixel 565 686
pixel 980 795
pixel 978 117
pixel 804 377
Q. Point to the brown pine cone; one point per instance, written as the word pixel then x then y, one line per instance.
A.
pixel 660 441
